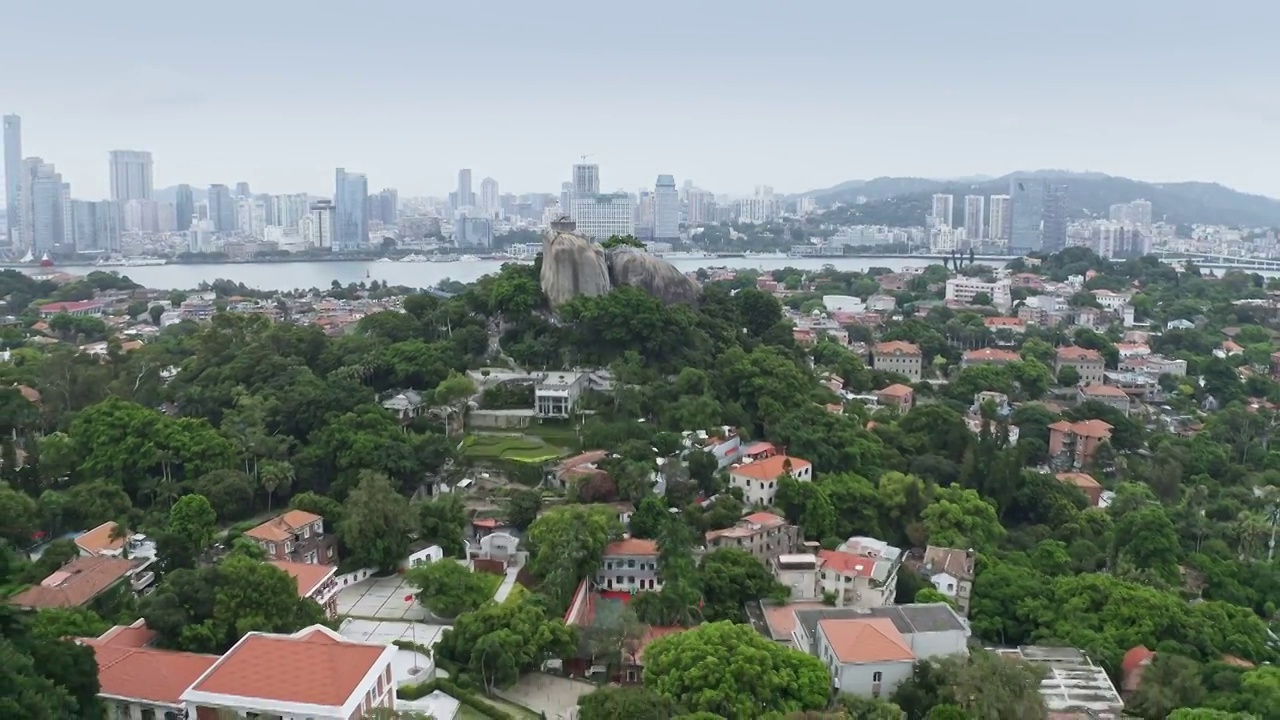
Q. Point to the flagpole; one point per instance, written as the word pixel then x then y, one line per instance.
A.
pixel 413 630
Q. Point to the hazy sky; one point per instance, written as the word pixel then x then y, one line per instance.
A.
pixel 728 93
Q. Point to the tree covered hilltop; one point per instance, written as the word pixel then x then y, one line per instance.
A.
pixel 929 493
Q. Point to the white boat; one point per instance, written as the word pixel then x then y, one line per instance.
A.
pixel 384 260
pixel 444 258
pixel 767 255
pixel 686 255
pixel 414 258
pixel 28 258
pixel 469 258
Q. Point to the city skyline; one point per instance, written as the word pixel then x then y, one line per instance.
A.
pixel 266 103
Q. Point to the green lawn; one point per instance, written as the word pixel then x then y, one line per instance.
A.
pixel 509 447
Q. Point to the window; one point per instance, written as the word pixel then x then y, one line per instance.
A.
pixel 288 547
pixel 148 714
pixel 877 677
pixel 317 527
pixel 631 563
pixel 330 551
pixel 271 548
pixel 306 532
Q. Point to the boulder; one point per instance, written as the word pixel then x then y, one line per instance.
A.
pixel 659 278
pixel 572 265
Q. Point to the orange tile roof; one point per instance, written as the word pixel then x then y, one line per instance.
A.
pixel 310 667
pixel 98 540
pixel 158 676
pixel 31 394
pixel 999 322
pixel 866 640
pixel 897 390
pixel 897 347
pixel 766 519
pixel 1079 479
pixel 137 635
pixel 282 527
pixel 991 355
pixel 769 468
pixel 1103 391
pixel 587 458
pixel 75 583
pixel 1078 354
pixel 1087 428
pixel 308 576
pixel 781 619
pixel 632 546
pixel 846 563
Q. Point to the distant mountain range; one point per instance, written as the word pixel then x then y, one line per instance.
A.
pixel 1089 195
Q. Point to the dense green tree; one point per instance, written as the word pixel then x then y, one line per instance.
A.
pixel 500 641
pixel 733 671
pixel 649 518
pixel 961 518
pixel 377 523
pixel 566 544
pixel 449 588
pixel 189 532
pixel 638 703
pixel 443 521
pixel 730 578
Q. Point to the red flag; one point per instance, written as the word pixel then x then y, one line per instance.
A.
pixel 408 598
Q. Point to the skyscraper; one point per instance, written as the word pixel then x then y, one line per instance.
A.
pixel 222 211
pixel 96 226
pixel 666 209
pixel 185 207
pixel 975 217
pixel 317 227
pixel 1026 199
pixel 48 219
pixel 489 197
pixel 586 180
pixel 384 207
pixel 998 225
pixel 242 189
pixel 13 179
pixel 350 213
pixel 130 175
pixel 701 205
pixel 603 216
pixel 644 215
pixel 943 213
pixel 464 197
pixel 1054 221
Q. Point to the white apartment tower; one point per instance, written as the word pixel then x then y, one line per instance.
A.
pixel 317 226
pixel 130 175
pixel 943 210
pixel 975 217
pixel 586 179
pixel 666 209
pixel 603 216
pixel 998 225
pixel 489 200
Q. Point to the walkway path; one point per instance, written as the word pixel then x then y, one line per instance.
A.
pixel 508 583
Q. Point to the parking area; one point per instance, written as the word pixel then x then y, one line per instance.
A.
pixel 382 598
pixel 556 697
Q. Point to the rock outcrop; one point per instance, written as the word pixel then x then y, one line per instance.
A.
pixel 572 265
pixel 659 278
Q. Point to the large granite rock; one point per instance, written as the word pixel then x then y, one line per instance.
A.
pixel 659 278
pixel 572 265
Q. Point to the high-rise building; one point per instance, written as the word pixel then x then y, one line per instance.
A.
pixel 242 189
pixel 463 197
pixel 701 204
pixel 96 226
pixel 666 209
pixel 1026 199
pixel 384 207
pixel 644 215
pixel 473 232
pixel 586 179
pixel 943 212
pixel 130 175
pixel 184 207
pixel 317 227
pixel 998 225
pixel 603 216
pixel 1137 213
pixel 350 213
pixel 975 217
pixel 48 214
pixel 1054 221
pixel 222 211
pixel 490 200
pixel 13 180
pixel 251 216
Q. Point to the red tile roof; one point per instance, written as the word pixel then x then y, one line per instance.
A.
pixel 137 635
pixel 632 546
pixel 31 394
pixel 1071 353
pixel 1103 391
pixel 896 390
pixel 282 527
pixel 846 563
pixel 98 540
pixel 770 468
pixel 75 583
pixel 54 308
pixel 311 666
pixel 1079 479
pixel 866 640
pixel 1086 428
pixel 896 347
pixel 991 355
pixel 999 322
pixel 1135 657
pixel 308 576
pixel 158 676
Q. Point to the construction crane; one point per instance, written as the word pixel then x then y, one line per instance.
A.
pixel 584 157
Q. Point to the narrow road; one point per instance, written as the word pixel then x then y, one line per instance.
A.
pixel 508 583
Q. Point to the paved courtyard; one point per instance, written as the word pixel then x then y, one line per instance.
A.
pixel 555 696
pixel 382 598
pixel 407 666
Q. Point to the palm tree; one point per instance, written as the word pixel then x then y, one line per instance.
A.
pixel 275 475
pixel 121 532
